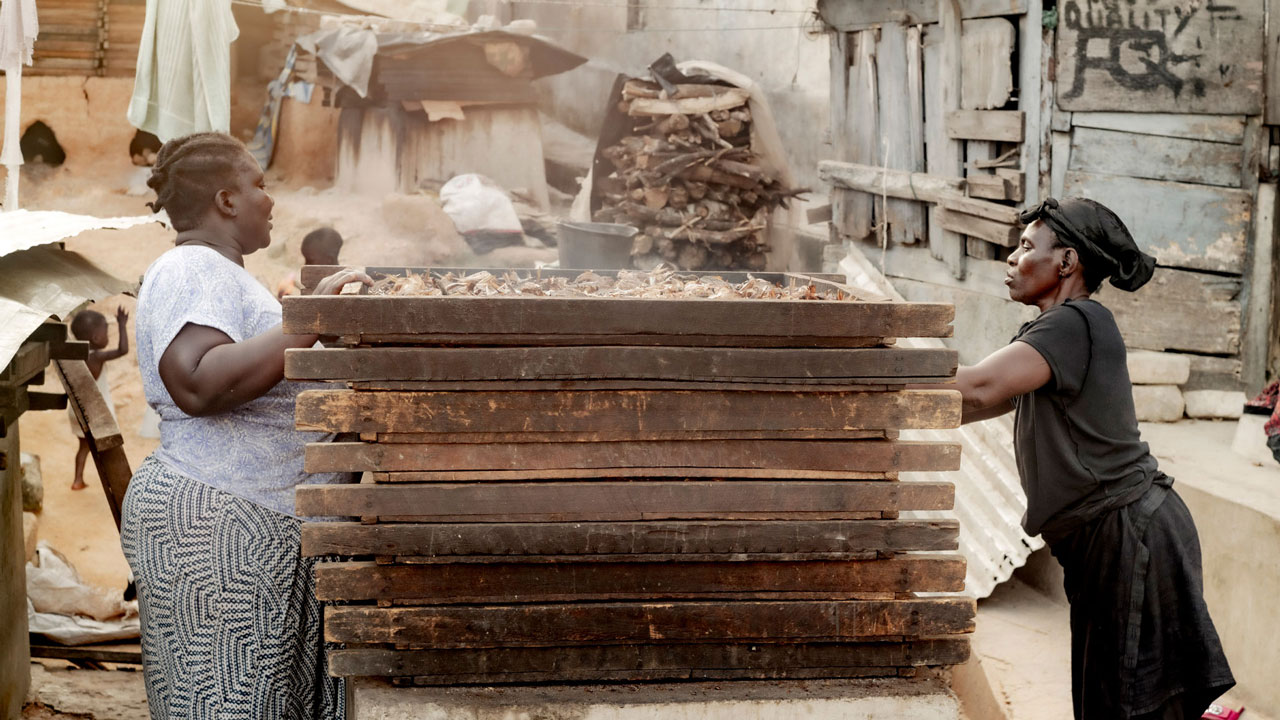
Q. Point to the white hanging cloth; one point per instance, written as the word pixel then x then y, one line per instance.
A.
pixel 18 29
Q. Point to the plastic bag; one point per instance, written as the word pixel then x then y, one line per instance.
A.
pixel 478 204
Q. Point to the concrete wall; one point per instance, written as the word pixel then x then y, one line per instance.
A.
pixel 1240 544
pixel 14 653
pixel 769 47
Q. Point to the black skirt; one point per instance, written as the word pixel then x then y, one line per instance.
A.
pixel 1141 635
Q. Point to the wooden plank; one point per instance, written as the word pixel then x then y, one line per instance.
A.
pixel 1209 128
pixel 893 183
pixel 618 362
pixel 830 455
pixel 627 623
pixel 743 384
pixel 623 413
pixel 636 538
pixel 944 156
pixel 1182 225
pixel 545 340
pixel 710 661
pixel 620 501
pixel 1155 157
pixel 610 473
pixel 849 16
pixel 977 208
pixel 991 187
pixel 417 315
pixel 30 360
pixel 898 85
pixel 998 125
pixel 986 52
pixel 1179 310
pixel 1015 180
pixel 98 424
pixel 117 653
pixel 1060 154
pixel 519 582
pixel 1258 311
pixel 857 128
pixel 1196 59
pixel 606 435
pixel 1035 99
pixel 989 230
pixel 1271 43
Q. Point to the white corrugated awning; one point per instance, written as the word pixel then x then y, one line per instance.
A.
pixel 38 281
pixel 989 497
pixel 23 229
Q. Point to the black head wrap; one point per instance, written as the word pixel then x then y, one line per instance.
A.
pixel 1099 235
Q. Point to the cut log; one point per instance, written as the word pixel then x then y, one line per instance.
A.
pixel 894 183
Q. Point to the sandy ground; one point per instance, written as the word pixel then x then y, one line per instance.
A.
pixel 396 230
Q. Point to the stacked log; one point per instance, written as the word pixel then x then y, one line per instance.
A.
pixel 687 176
pixel 616 488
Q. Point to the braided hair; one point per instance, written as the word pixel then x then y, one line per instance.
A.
pixel 189 171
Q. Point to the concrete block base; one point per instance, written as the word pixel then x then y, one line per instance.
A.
pixel 1158 403
pixel 1250 440
pixel 1214 404
pixel 923 698
pixel 1158 368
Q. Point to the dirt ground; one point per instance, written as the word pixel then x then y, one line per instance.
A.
pixel 396 230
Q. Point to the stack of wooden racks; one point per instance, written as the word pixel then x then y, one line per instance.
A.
pixel 600 489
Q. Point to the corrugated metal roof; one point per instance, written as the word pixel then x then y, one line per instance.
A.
pixel 989 498
pixel 23 229
pixel 37 283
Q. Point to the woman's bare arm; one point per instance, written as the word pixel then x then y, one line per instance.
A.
pixel 988 388
pixel 206 372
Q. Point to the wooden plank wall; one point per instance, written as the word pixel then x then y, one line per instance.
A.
pixel 1178 151
pixel 930 87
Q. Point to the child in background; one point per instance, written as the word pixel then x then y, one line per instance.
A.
pixel 319 247
pixel 91 327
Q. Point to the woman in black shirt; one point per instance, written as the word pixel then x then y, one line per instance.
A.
pixel 1143 645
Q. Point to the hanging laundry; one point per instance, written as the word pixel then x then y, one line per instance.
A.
pixel 183 82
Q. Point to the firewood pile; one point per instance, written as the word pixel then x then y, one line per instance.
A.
pixel 688 178
pixel 622 489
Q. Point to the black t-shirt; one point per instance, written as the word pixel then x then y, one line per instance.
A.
pixel 1076 439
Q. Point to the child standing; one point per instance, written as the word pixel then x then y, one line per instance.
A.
pixel 91 327
pixel 320 247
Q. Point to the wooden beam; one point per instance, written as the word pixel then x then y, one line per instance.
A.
pixel 1258 310
pixel 637 662
pixel 621 501
pixel 1155 157
pixel 995 125
pixel 829 455
pixel 601 539
pixel 894 183
pixel 629 623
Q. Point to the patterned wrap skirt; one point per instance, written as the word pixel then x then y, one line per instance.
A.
pixel 231 628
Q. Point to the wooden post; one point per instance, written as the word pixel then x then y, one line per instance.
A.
pixel 1258 308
